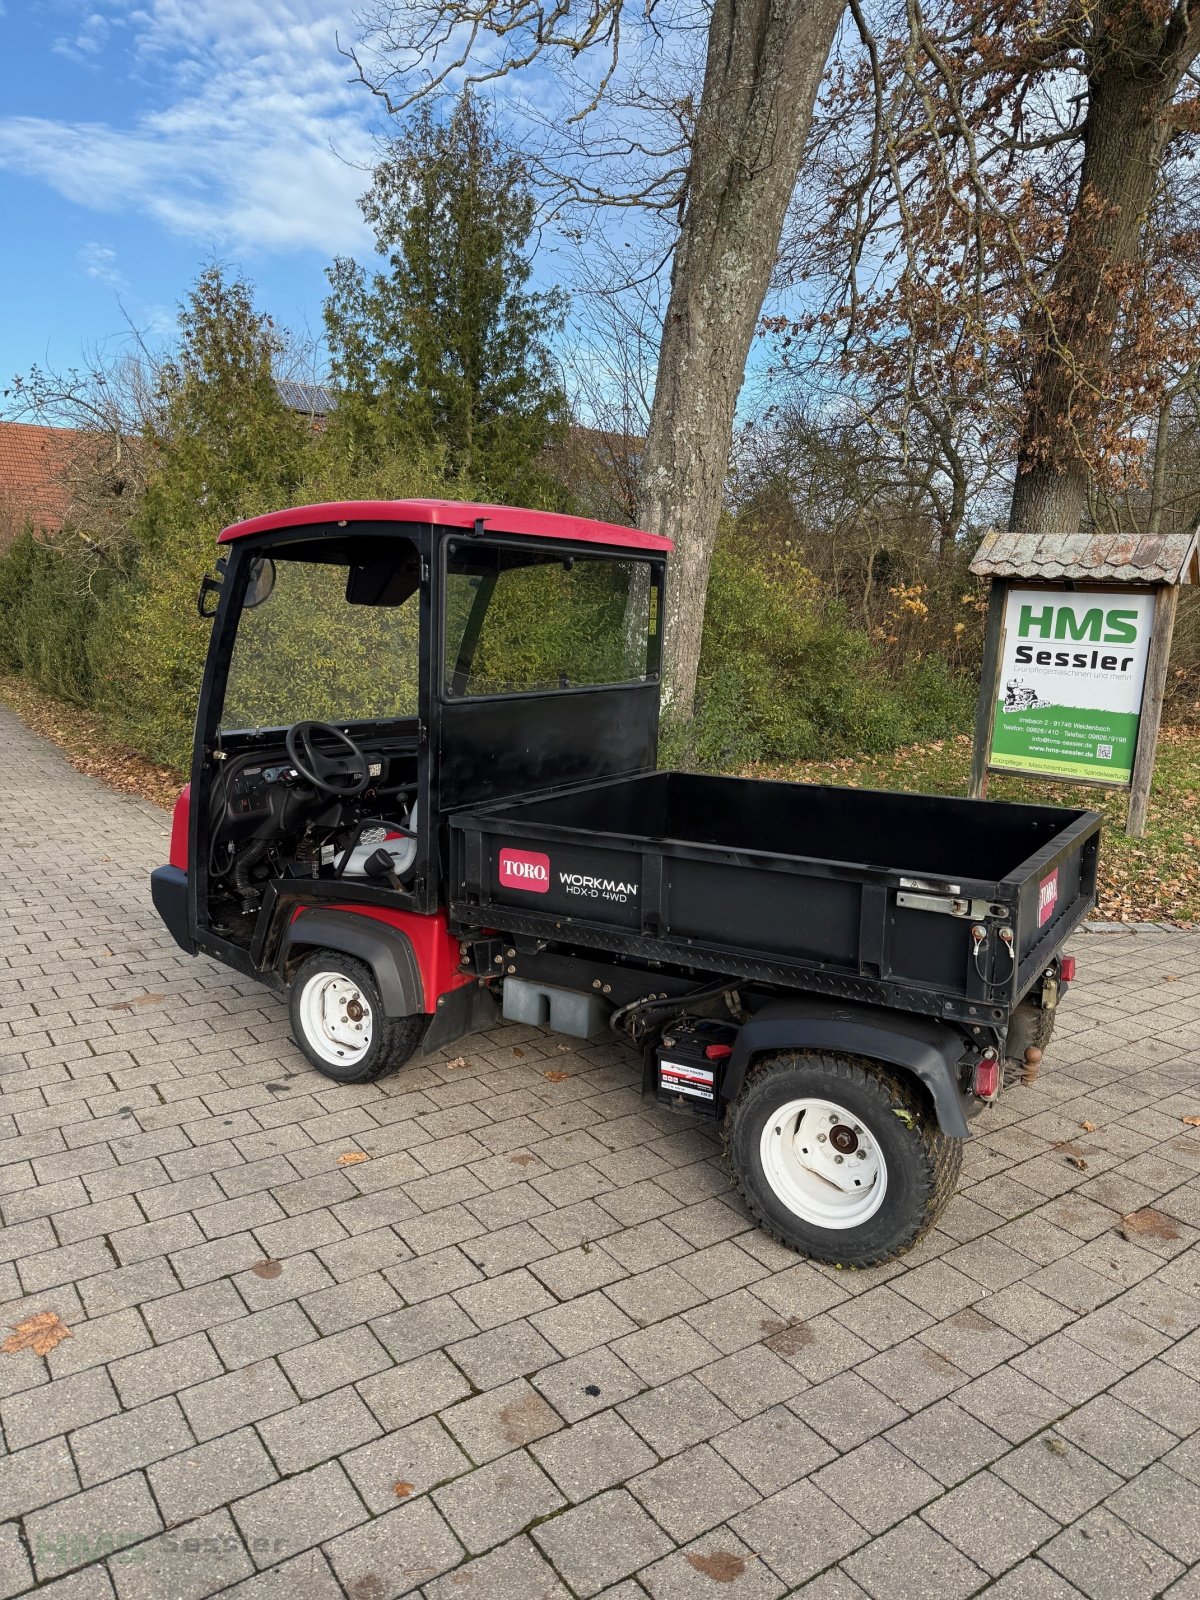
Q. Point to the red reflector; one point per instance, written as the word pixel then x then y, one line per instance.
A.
pixel 717 1052
pixel 987 1078
pixel 1066 969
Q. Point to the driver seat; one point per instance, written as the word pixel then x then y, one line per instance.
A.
pixel 382 836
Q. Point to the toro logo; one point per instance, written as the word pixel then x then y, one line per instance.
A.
pixel 1047 898
pixel 525 869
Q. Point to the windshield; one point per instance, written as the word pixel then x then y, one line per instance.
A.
pixel 521 621
pixel 306 654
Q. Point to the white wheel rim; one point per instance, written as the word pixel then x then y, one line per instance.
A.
pixel 336 1018
pixel 823 1163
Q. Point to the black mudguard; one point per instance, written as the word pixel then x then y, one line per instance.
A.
pixel 927 1049
pixel 385 950
pixel 168 890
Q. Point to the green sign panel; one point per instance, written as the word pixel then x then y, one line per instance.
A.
pixel 1071 678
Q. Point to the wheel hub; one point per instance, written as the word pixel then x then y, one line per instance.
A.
pixel 823 1163
pixel 336 1018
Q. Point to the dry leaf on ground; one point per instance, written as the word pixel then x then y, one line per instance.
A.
pixel 1192 1122
pixel 351 1158
pixel 138 1000
pixel 402 1490
pixel 1151 1224
pixel 556 1077
pixel 39 1333
pixel 1088 1127
pixel 266 1269
pixel 456 1064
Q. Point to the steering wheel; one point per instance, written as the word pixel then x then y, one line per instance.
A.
pixel 323 770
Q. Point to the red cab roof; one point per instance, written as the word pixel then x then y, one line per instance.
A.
pixel 455 514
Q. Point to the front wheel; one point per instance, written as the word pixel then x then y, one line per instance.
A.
pixel 838 1158
pixel 338 1020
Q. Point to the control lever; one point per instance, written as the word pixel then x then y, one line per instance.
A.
pixel 380 865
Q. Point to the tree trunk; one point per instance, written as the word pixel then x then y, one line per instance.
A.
pixel 1136 63
pixel 764 64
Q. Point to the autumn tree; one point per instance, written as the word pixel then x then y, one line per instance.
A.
pixel 446 347
pixel 1001 219
pixel 697 111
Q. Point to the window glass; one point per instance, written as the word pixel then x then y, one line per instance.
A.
pixel 519 621
pixel 307 655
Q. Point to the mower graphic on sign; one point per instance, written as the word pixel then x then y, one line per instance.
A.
pixel 1020 696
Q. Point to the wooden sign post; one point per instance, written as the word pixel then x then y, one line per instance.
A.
pixel 1075 657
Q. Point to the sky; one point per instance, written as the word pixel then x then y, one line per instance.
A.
pixel 140 139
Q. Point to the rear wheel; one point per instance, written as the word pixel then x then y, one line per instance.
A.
pixel 839 1158
pixel 339 1023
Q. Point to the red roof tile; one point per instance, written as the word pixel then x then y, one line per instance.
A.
pixel 33 463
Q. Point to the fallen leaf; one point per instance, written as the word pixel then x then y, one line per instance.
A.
pixel 722 1566
pixel 556 1077
pixel 1088 1127
pixel 266 1269
pixel 1057 1446
pixel 522 1160
pixel 517 1051
pixel 40 1333
pixel 457 1064
pixel 402 1490
pixel 1077 1161
pixel 351 1158
pixel 1150 1224
pixel 1170 977
pixel 138 1000
pixel 1192 1122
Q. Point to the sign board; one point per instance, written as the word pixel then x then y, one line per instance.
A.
pixel 1069 689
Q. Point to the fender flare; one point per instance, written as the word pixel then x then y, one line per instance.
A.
pixel 921 1046
pixel 387 952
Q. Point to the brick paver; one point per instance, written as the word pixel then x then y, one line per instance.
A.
pixel 533 1346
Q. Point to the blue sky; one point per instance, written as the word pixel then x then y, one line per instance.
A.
pixel 141 138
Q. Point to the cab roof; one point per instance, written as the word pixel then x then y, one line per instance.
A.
pixel 454 514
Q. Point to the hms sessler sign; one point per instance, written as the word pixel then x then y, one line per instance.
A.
pixel 1071 680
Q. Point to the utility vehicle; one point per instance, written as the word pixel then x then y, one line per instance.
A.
pixel 424 796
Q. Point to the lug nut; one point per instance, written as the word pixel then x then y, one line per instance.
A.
pixel 833 1118
pixel 821 1138
pixel 862 1155
pixel 839 1160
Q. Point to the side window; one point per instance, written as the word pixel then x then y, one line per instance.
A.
pixel 519 621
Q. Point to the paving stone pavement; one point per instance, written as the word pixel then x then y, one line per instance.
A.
pixel 533 1347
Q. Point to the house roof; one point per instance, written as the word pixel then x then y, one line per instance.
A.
pixel 1089 557
pixel 454 514
pixel 312 399
pixel 33 465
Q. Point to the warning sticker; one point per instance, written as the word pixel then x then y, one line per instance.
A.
pixel 676 1078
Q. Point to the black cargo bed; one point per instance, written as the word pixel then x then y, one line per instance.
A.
pixel 858 893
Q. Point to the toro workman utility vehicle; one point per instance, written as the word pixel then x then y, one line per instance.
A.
pixel 425 796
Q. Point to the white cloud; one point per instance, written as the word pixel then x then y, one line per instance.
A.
pixel 251 138
pixel 99 261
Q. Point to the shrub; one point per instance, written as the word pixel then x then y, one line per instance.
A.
pixel 785 677
pixel 52 593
